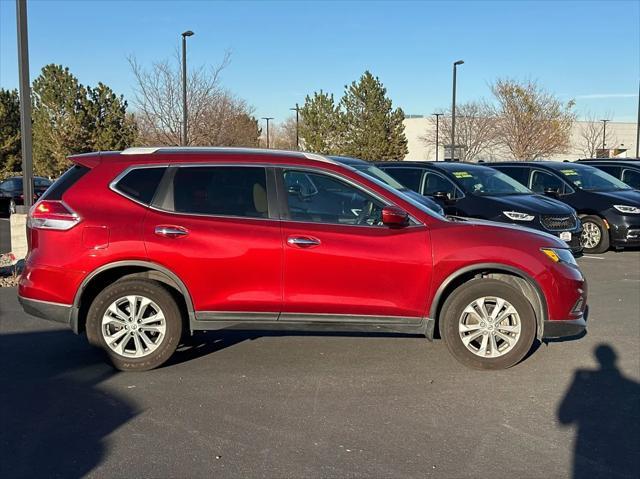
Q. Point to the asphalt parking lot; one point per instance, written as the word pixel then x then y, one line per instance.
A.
pixel 287 405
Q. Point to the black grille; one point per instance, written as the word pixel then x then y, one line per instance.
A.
pixel 558 223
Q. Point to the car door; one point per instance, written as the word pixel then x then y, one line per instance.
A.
pixel 341 263
pixel 216 228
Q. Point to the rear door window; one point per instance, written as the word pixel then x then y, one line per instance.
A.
pixel 518 173
pixel 239 191
pixel 409 177
pixel 140 184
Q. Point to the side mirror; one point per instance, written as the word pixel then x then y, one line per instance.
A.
pixel 444 197
pixel 394 217
pixel 553 192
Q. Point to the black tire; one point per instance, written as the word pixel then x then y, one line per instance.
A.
pixel 156 293
pixel 454 307
pixel 603 244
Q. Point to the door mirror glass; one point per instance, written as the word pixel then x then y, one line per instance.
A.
pixel 443 196
pixel 393 216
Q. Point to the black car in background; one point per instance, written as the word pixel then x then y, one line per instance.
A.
pixel 476 191
pixel 609 209
pixel 373 171
pixel 627 171
pixel 11 192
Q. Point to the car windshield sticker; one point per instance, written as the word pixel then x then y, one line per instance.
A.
pixel 569 172
pixel 462 174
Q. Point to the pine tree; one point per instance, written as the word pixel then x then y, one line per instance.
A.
pixel 321 126
pixel 373 129
pixel 10 154
pixel 111 127
pixel 61 125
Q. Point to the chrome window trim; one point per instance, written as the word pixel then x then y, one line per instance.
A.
pixel 357 186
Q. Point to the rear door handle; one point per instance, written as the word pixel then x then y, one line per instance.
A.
pixel 171 231
pixel 303 241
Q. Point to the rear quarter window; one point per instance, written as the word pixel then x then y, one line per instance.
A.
pixel 409 177
pixel 140 184
pixel 518 173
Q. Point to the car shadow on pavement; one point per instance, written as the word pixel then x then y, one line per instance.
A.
pixel 604 408
pixel 54 417
pixel 203 343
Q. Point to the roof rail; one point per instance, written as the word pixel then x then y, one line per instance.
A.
pixel 138 150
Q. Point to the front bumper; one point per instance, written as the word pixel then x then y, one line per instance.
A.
pixel 564 329
pixel 60 313
pixel 624 230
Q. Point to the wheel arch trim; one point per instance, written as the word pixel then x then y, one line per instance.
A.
pixel 136 263
pixel 540 309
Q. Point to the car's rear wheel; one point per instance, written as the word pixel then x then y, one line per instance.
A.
pixel 595 236
pixel 488 324
pixel 137 322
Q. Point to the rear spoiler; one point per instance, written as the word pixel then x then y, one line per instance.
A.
pixel 89 160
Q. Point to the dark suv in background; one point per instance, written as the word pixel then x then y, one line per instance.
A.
pixel 609 209
pixel 476 191
pixel 11 192
pixel 627 171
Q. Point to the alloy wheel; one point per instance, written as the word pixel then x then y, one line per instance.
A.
pixel 133 326
pixel 591 235
pixel 489 327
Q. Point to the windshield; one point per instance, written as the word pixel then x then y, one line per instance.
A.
pixel 378 174
pixel 487 182
pixel 592 179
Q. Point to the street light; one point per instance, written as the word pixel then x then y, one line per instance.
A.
pixel 638 126
pixel 604 133
pixel 25 104
pixel 437 115
pixel 268 118
pixel 186 34
pixel 297 110
pixel 453 112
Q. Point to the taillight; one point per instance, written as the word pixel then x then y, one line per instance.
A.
pixel 52 215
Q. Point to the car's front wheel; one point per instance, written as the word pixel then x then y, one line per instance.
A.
pixel 488 324
pixel 137 322
pixel 595 236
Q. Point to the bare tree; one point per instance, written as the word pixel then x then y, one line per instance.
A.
pixel 531 123
pixel 282 135
pixel 592 132
pixel 215 116
pixel 475 129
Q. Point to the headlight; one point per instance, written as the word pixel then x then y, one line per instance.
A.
pixel 559 255
pixel 518 216
pixel 627 209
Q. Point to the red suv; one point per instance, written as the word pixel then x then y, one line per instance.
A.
pixel 137 248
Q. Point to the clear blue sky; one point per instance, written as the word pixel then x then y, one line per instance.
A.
pixel 281 51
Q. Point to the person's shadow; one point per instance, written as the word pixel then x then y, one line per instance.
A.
pixel 604 406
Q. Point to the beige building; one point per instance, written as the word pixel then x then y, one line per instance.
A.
pixel 621 141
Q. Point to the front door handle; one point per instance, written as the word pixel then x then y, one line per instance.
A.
pixel 171 231
pixel 302 241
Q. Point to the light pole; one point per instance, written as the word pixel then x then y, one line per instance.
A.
pixel 297 110
pixel 437 115
pixel 453 111
pixel 604 133
pixel 186 34
pixel 268 118
pixel 638 126
pixel 25 104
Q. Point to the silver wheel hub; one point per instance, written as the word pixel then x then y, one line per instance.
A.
pixel 133 326
pixel 591 235
pixel 489 327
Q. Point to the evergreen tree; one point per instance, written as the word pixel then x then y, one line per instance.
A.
pixel 10 154
pixel 111 127
pixel 373 129
pixel 321 126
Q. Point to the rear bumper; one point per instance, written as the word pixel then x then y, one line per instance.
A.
pixel 60 313
pixel 564 329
